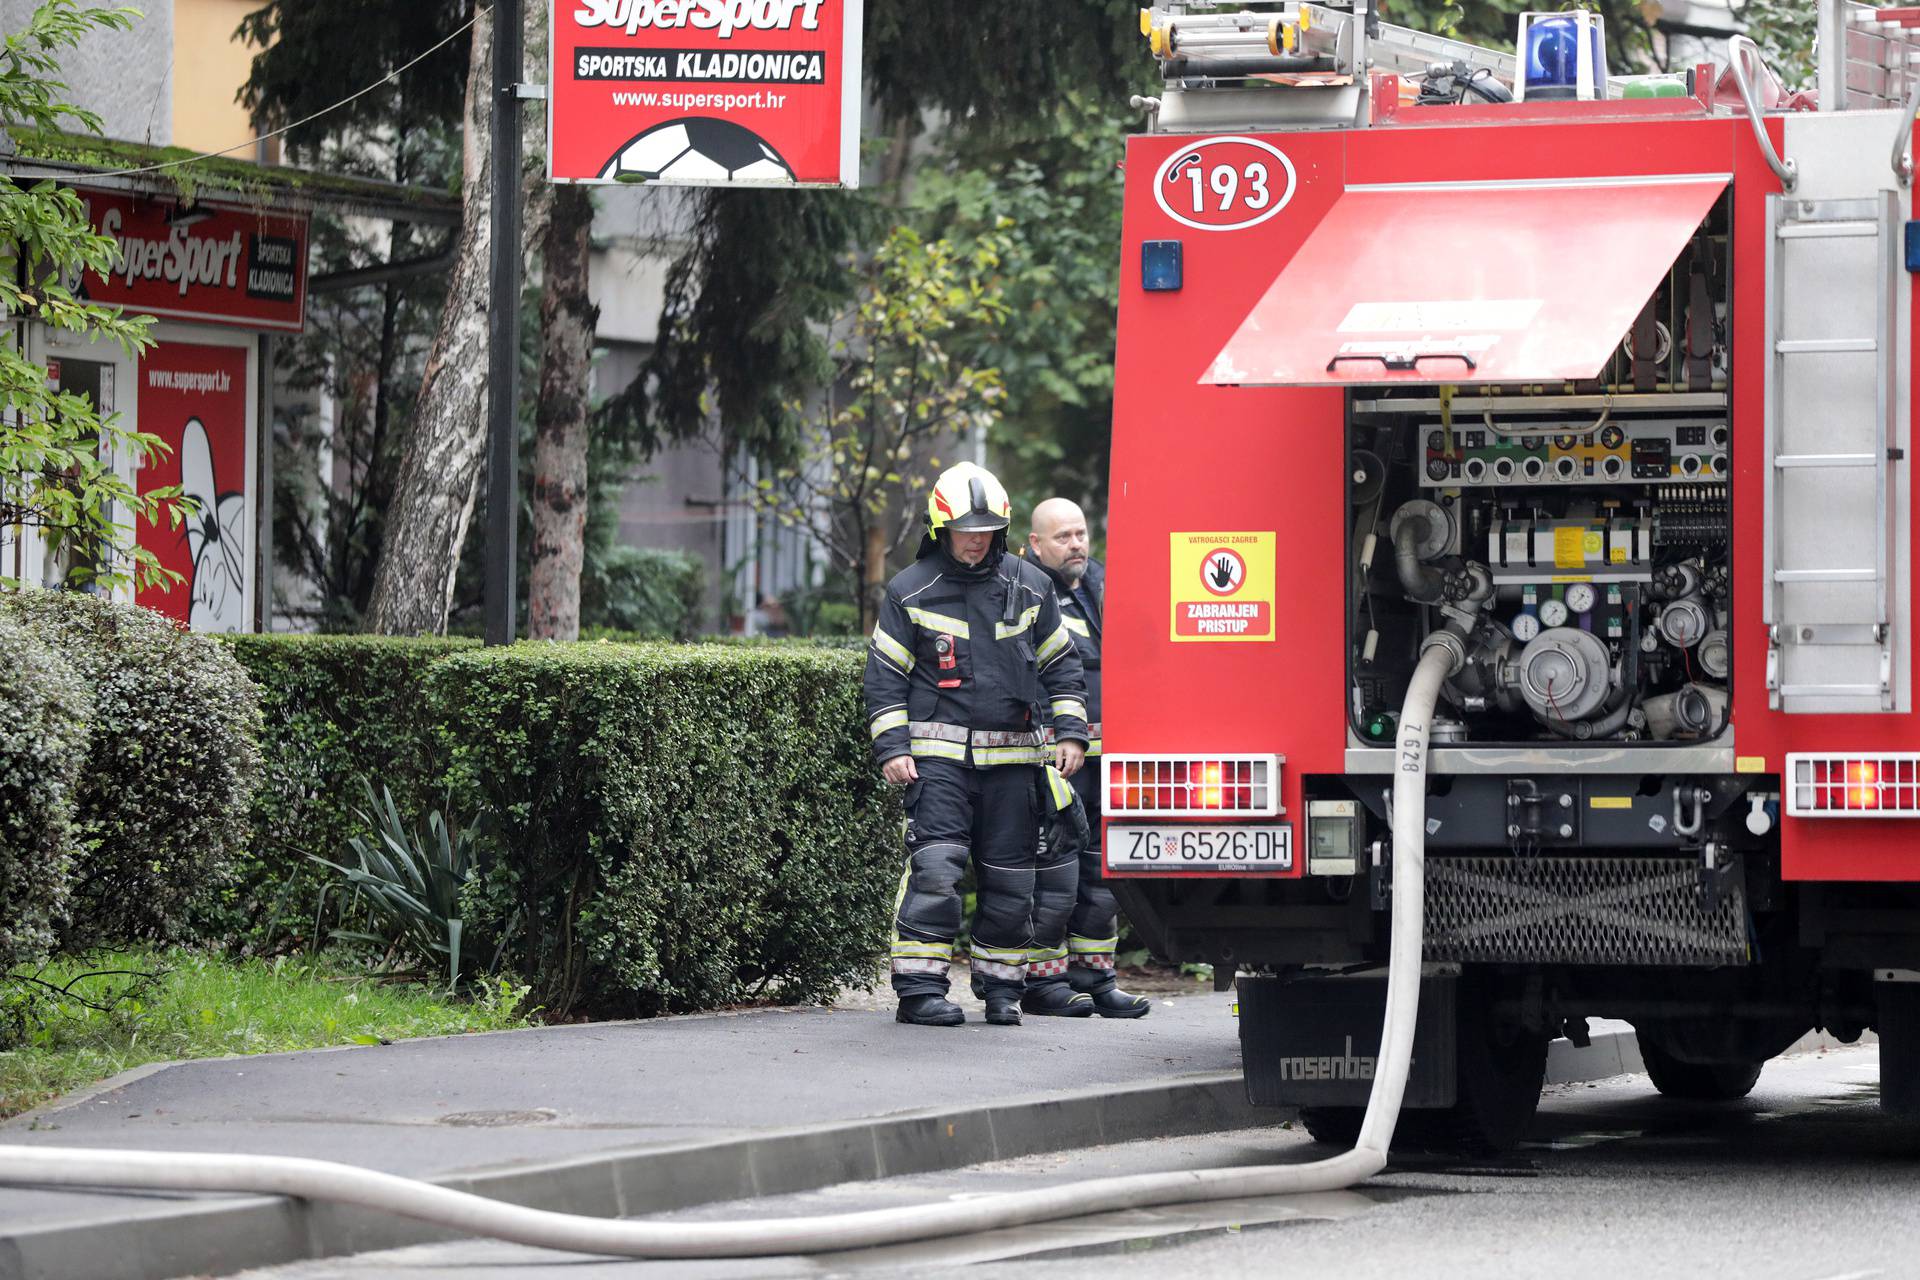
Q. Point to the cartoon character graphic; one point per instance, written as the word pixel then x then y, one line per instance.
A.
pixel 216 539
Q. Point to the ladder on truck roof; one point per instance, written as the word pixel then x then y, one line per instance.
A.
pixel 1869 57
pixel 1204 51
pixel 1878 62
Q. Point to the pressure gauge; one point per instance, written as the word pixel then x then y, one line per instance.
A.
pixel 1553 613
pixel 1580 597
pixel 1525 627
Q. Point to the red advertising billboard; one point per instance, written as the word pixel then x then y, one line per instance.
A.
pixel 220 264
pixel 705 92
pixel 194 397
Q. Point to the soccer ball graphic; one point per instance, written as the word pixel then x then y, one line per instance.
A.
pixel 697 149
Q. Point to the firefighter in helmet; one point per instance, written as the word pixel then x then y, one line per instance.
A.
pixel 971 672
pixel 1075 928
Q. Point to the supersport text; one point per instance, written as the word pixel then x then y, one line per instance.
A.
pixel 723 17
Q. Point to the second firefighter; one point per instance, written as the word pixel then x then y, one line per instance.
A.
pixel 1075 919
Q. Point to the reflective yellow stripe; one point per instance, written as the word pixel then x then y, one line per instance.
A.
pixel 1076 626
pixel 1008 755
pixel 1040 955
pixel 1070 707
pixel 888 720
pixel 939 622
pixel 937 749
pixel 1095 945
pixel 1056 644
pixel 1003 631
pixel 900 898
pixel 893 650
pixel 1093 748
pixel 933 950
pixel 1004 955
pixel 1062 790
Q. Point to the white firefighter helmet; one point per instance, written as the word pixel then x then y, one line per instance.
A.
pixel 966 498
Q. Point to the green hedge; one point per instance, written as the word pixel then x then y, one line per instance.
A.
pixel 680 826
pixel 337 708
pixel 173 757
pixel 44 710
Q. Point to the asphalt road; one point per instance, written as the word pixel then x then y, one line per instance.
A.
pixel 1804 1180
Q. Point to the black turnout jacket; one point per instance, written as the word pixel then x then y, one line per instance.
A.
pixel 973 664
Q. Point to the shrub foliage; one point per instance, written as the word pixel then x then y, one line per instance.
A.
pixel 44 711
pixel 161 807
pixel 339 711
pixel 665 826
pixel 681 826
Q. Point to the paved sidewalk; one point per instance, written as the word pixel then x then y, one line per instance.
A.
pixel 432 1106
pixel 627 1118
pixel 531 1114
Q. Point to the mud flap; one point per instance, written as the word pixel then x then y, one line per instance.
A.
pixel 1311 1041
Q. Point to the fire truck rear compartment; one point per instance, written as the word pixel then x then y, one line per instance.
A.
pixel 1585 529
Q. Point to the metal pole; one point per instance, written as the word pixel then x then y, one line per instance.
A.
pixel 263 509
pixel 503 341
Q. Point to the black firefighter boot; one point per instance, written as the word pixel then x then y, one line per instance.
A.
pixel 1109 1001
pixel 929 1011
pixel 1003 1007
pixel 1056 1000
pixel 1115 1003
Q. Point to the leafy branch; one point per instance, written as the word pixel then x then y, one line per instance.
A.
pixel 896 394
pixel 64 469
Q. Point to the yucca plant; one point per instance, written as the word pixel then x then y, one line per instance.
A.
pixel 409 880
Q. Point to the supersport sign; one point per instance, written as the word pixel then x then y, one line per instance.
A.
pixel 706 92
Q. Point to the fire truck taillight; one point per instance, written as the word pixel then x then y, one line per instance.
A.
pixel 1882 785
pixel 1158 785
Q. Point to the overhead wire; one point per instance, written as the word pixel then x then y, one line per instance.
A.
pixel 391 76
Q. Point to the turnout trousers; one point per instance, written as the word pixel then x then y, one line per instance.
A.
pixel 1075 929
pixel 955 812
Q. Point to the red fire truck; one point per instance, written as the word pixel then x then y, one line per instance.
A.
pixel 1601 383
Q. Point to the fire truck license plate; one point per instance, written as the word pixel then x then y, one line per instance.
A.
pixel 1183 848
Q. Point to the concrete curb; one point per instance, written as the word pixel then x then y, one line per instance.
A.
pixel 1611 1053
pixel 1617 1053
pixel 209 1235
pixel 157 1238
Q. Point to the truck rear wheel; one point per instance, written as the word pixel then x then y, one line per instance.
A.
pixel 1498 1073
pixel 1697 1081
pixel 1335 1126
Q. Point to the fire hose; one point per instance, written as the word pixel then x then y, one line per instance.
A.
pixel 473 1215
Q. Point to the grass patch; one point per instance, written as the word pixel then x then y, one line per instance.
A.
pixel 188 1004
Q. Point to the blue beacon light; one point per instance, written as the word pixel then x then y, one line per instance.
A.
pixel 1160 266
pixel 1553 56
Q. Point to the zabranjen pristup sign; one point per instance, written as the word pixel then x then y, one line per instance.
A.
pixel 706 92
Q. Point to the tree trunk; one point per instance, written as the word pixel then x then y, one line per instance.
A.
pixel 567 320
pixel 873 571
pixel 445 455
